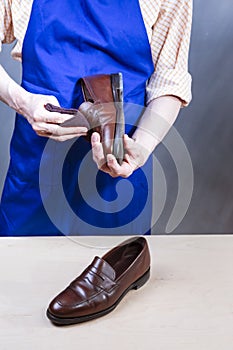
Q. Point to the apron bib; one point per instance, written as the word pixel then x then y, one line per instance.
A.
pixel 67 40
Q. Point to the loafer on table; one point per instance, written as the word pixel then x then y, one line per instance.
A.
pixel 102 285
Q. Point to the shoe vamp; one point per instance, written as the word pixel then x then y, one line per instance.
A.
pixel 80 302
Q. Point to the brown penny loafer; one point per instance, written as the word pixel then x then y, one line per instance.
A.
pixel 102 111
pixel 102 285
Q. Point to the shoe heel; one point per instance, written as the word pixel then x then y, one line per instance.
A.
pixel 142 280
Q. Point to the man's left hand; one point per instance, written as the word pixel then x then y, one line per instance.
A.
pixel 135 156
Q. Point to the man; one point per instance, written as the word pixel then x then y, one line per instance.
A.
pixel 148 41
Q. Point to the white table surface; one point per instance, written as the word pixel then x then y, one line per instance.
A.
pixel 187 303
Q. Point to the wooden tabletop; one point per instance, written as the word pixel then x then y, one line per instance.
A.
pixel 187 303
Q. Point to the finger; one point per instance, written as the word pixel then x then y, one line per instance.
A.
pixel 97 149
pixel 44 134
pixel 133 164
pixel 129 143
pixel 98 152
pixel 113 164
pixel 95 139
pixel 54 117
pixel 51 99
pixel 58 130
pixel 123 170
pixel 71 130
pixel 62 138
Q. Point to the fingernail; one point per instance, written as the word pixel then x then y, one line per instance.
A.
pixel 94 138
pixel 110 158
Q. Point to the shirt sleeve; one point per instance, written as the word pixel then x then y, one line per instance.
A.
pixel 170 50
pixel 6 24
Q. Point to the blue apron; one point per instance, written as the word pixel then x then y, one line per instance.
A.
pixel 67 40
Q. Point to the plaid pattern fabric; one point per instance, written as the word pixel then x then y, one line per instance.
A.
pixel 168 25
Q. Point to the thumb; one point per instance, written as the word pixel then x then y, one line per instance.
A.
pixel 95 137
pixel 128 142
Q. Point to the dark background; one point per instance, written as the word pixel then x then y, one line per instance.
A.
pixel 206 125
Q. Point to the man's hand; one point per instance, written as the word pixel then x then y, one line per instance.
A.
pixel 31 106
pixel 135 156
pixel 46 123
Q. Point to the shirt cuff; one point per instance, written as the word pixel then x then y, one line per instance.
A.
pixel 170 82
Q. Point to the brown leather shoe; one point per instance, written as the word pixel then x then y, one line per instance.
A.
pixel 101 112
pixel 102 285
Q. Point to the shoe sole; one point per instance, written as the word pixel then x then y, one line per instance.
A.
pixel 58 321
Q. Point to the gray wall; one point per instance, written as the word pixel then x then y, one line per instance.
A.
pixel 206 126
pixel 6 114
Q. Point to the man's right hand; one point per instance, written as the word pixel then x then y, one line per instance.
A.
pixel 45 123
pixel 31 106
